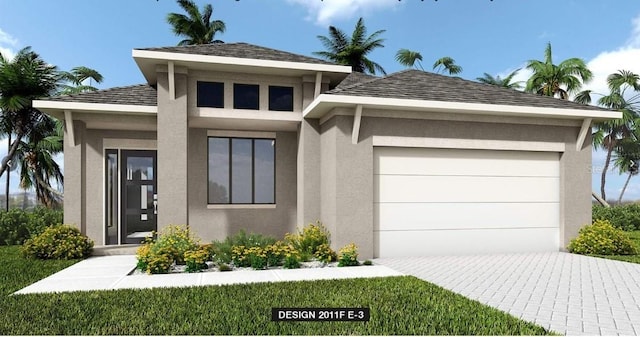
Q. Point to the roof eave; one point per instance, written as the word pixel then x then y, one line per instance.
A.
pixel 326 102
pixel 56 108
pixel 147 61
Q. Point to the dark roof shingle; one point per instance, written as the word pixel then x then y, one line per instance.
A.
pixel 355 78
pixel 141 94
pixel 240 50
pixel 420 85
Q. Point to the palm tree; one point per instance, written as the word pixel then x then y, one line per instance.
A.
pixel 22 80
pixel 352 51
pixel 37 166
pixel 447 64
pixel 559 80
pixel 501 82
pixel 409 58
pixel 627 159
pixel 197 27
pixel 609 133
pixel 75 80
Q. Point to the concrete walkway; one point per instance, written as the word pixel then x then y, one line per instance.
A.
pixel 111 272
pixel 567 293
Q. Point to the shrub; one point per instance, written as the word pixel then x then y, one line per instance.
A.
pixel 16 225
pixel 143 254
pixel 222 249
pixel 175 240
pixel 238 256
pixel 601 238
pixel 625 217
pixel 195 259
pixel 58 242
pixel 367 263
pixel 325 254
pixel 160 263
pixel 224 267
pixel 257 257
pixel 348 256
pixel 291 262
pixel 307 240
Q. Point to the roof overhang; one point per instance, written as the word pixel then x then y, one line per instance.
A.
pixel 147 61
pixel 56 109
pixel 324 103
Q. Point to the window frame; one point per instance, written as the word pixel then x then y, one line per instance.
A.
pixel 281 87
pixel 198 94
pixel 253 171
pixel 235 96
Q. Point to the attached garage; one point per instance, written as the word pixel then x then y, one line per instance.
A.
pixel 430 201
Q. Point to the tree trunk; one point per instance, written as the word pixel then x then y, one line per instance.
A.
pixel 624 188
pixel 8 175
pixel 12 152
pixel 600 200
pixel 603 177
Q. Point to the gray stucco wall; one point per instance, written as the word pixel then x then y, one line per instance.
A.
pixel 347 169
pixel 214 224
pixel 84 192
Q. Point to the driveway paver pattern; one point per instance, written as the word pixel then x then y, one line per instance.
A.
pixel 567 293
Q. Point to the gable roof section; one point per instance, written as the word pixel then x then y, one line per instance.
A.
pixel 141 94
pixel 240 50
pixel 235 57
pixel 421 85
pixel 414 90
pixel 355 78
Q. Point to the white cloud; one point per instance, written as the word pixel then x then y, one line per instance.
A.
pixel 7 45
pixel 324 12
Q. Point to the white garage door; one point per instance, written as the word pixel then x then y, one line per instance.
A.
pixel 450 201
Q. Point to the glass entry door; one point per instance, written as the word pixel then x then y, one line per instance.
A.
pixel 139 195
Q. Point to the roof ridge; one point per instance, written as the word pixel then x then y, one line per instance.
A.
pixel 106 90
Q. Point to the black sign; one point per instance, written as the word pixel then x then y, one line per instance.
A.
pixel 320 314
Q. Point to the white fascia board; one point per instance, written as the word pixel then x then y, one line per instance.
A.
pixel 168 56
pixel 314 110
pixel 97 107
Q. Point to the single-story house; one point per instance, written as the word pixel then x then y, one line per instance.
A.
pixel 236 136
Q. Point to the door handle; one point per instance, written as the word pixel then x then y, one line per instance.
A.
pixel 155 204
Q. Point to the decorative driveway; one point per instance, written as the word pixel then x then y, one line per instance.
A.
pixel 567 293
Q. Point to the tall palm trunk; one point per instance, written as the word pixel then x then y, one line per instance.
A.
pixel 12 152
pixel 603 177
pixel 624 187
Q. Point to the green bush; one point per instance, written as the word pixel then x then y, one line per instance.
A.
pixel 291 262
pixel 224 267
pixel 62 242
pixel 325 254
pixel 309 238
pixel 175 240
pixel 222 249
pixel 602 238
pixel 348 256
pixel 16 225
pixel 625 217
pixel 195 259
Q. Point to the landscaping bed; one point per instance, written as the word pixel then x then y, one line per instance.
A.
pixel 399 306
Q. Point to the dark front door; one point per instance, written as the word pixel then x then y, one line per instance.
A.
pixel 139 195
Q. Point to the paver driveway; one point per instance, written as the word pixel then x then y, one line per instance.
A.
pixel 567 293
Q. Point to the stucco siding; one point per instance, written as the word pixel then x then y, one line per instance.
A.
pixel 347 169
pixel 218 223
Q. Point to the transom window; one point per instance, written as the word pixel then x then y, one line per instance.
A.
pixel 210 94
pixel 241 170
pixel 280 98
pixel 246 96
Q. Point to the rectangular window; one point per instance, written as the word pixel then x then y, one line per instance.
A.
pixel 280 98
pixel 111 197
pixel 210 94
pixel 246 96
pixel 241 170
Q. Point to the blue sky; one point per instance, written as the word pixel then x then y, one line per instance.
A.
pixel 481 35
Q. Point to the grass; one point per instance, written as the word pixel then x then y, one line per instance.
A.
pixel 635 237
pixel 399 305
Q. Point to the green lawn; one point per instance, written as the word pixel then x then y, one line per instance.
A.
pixel 399 305
pixel 635 237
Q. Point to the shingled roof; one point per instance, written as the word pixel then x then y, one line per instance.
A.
pixel 240 50
pixel 355 78
pixel 421 85
pixel 141 94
